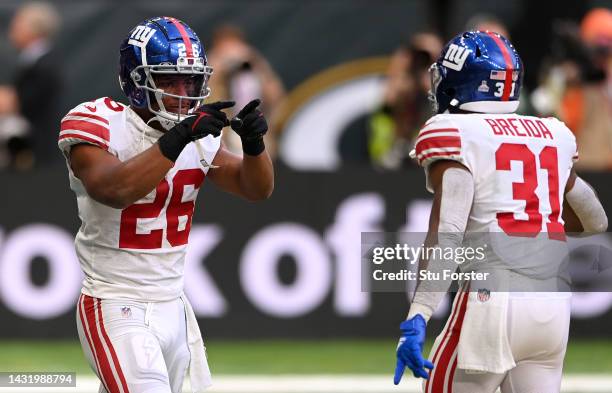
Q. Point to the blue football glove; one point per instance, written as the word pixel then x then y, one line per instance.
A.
pixel 410 348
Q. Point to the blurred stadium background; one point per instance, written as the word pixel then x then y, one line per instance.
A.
pixel 276 285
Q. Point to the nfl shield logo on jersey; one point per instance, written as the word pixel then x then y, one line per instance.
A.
pixel 126 312
pixel 484 295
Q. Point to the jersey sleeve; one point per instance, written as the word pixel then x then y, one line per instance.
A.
pixel 439 139
pixel 575 156
pixel 569 136
pixel 84 125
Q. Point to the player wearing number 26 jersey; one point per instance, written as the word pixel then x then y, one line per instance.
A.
pixel 137 252
pixel 136 171
pixel 503 177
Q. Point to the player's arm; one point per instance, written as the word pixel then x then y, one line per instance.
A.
pixel 453 188
pixel 118 183
pixel 252 175
pixel 582 210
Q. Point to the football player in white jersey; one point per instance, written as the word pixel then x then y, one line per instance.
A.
pixel 510 177
pixel 136 170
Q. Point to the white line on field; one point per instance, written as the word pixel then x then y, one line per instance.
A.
pixel 578 383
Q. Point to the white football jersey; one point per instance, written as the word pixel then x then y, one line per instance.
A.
pixel 138 252
pixel 520 166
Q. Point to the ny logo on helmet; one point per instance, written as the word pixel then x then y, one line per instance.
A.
pixel 141 36
pixel 455 57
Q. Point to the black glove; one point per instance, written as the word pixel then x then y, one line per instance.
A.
pixel 207 120
pixel 251 125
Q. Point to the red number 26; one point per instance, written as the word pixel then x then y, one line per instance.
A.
pixel 129 238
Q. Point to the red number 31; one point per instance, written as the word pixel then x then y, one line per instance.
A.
pixel 129 238
pixel 525 191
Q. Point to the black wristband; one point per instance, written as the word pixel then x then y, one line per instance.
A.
pixel 172 143
pixel 253 147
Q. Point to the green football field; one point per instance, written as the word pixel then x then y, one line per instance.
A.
pixel 363 356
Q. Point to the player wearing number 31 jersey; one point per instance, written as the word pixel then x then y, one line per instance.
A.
pixel 505 178
pixel 136 171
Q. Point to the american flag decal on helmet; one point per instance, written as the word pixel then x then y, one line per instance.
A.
pixel 498 75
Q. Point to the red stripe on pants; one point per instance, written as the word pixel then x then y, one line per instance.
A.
pixel 437 382
pixel 449 383
pixel 111 349
pixel 105 368
pixel 456 306
pixel 87 336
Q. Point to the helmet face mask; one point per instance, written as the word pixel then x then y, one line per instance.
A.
pixel 159 79
pixel 163 69
pixel 435 79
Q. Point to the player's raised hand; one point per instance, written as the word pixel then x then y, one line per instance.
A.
pixel 206 120
pixel 410 350
pixel 251 125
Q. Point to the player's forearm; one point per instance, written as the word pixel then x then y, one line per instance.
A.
pixel 454 194
pixel 587 207
pixel 122 185
pixel 430 293
pixel 256 177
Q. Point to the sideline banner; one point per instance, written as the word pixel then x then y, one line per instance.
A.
pixel 286 267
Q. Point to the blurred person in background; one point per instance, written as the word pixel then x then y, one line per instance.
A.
pixel 587 105
pixel 30 109
pixel 487 22
pixel 393 126
pixel 577 85
pixel 242 74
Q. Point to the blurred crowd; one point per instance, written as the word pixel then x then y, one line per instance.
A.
pixel 30 105
pixel 575 84
pixel 241 74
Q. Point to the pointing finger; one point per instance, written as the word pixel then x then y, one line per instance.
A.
pixel 221 105
pixel 248 108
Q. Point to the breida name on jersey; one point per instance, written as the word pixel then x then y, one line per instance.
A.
pixel 137 252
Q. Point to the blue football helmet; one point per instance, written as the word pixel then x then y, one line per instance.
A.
pixel 159 51
pixel 477 71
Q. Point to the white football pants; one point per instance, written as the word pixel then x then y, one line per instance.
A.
pixel 132 346
pixel 538 329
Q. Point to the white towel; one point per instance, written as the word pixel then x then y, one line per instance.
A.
pixel 199 372
pixel 484 344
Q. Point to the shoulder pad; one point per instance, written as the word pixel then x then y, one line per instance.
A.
pixel 89 123
pixel 440 138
